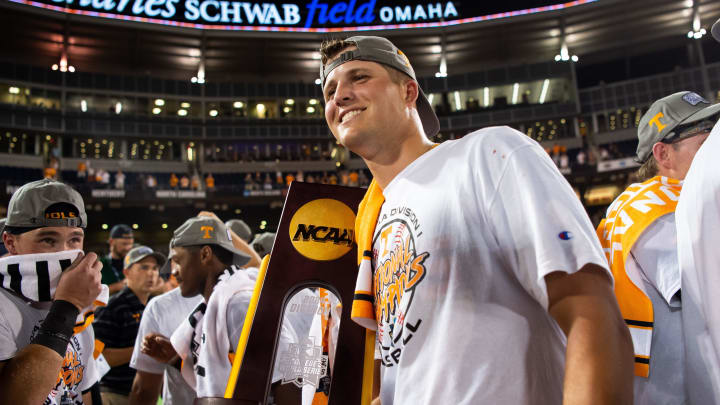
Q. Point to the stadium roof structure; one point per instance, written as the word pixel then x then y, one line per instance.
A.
pixel 35 33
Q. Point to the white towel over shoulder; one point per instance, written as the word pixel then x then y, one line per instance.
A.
pixel 203 342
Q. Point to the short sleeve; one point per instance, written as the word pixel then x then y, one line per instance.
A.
pixel 539 223
pixel 655 252
pixel 8 346
pixel 91 374
pixel 139 360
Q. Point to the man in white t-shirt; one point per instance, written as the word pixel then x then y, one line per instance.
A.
pixel 639 236
pixel 698 241
pixel 46 347
pixel 206 260
pixel 476 255
pixel 162 315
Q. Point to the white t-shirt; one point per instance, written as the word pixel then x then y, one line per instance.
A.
pixel 205 348
pixel 163 315
pixel 697 217
pixel 20 320
pixel 468 231
pixel 654 258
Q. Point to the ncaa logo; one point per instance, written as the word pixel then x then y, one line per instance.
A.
pixel 565 235
pixel 323 229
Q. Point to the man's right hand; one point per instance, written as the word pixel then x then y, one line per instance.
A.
pixel 80 283
pixel 159 348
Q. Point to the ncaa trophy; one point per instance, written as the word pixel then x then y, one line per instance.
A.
pixel 314 248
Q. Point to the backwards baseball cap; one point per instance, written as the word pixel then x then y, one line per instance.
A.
pixel 44 203
pixel 715 30
pixel 381 50
pixel 138 253
pixel 240 228
pixel 199 231
pixel 121 231
pixel 672 117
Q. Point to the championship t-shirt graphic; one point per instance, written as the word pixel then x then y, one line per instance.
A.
pixel 67 387
pixel 399 269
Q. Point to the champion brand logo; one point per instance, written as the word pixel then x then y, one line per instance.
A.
pixel 565 235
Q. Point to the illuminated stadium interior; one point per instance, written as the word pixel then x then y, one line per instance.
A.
pixel 156 95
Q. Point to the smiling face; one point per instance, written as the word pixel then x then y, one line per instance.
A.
pixel 366 108
pixel 44 240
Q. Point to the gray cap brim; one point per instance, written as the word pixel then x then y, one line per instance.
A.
pixel 702 114
pixel 158 256
pixel 715 30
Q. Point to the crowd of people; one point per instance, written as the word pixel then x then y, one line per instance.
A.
pixel 479 274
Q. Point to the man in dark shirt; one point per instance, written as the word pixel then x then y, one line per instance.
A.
pixel 121 241
pixel 116 325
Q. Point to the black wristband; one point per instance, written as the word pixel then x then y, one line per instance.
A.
pixel 57 328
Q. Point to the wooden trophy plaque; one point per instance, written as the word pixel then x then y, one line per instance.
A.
pixel 314 247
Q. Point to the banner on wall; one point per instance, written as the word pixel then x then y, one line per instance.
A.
pixel 307 16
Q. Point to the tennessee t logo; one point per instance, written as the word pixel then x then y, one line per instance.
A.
pixel 656 121
pixel 207 230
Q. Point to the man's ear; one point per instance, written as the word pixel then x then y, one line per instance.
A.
pixel 9 241
pixel 206 254
pixel 126 271
pixel 412 91
pixel 661 154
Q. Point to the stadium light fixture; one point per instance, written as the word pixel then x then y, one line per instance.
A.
pixel 516 88
pixel 564 54
pixel 83 105
pixel 442 72
pixel 310 110
pixel 14 90
pixel 486 97
pixel 159 102
pixel 182 112
pixel 260 109
pixel 118 107
pixel 156 110
pixel 104 226
pixel 313 101
pixel 185 105
pixel 213 113
pixel 318 82
pixel 238 104
pixel 697 31
pixel 135 226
